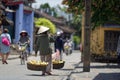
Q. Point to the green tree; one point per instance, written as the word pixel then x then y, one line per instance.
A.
pixel 75 22
pixel 45 22
pixel 103 11
pixel 44 6
pixel 47 9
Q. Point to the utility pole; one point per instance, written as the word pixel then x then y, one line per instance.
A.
pixel 87 31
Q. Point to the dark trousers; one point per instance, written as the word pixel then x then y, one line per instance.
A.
pixel 118 57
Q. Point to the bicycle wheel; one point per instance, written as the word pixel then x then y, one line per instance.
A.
pixel 66 51
pixel 25 56
pixel 22 60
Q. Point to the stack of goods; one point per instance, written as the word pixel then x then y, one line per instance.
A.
pixel 58 64
pixel 36 65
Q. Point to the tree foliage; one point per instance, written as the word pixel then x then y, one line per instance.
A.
pixel 76 39
pixel 48 9
pixel 44 6
pixel 75 23
pixel 103 11
pixel 45 22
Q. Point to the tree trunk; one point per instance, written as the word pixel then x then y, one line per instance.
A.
pixel 82 42
pixel 87 31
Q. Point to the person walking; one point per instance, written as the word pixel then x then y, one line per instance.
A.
pixel 118 50
pixel 5 48
pixel 59 44
pixel 43 46
pixel 35 47
pixel 0 42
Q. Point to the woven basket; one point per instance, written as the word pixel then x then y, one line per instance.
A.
pixel 59 65
pixel 36 67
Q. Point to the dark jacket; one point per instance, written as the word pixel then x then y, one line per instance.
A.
pixel 42 43
pixel 59 44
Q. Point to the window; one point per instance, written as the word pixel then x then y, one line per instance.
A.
pixel 111 40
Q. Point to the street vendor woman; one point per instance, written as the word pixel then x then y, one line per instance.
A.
pixel 44 48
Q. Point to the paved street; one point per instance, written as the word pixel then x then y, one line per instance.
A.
pixel 15 71
pixel 73 70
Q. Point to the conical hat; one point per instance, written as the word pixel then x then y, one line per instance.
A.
pixel 42 29
pixel 23 31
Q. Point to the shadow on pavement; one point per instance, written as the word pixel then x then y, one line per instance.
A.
pixel 97 66
pixel 107 76
pixel 65 69
pixel 34 75
pixel 100 76
pixel 43 75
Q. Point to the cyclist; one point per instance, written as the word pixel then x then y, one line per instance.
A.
pixel 24 38
pixel 68 47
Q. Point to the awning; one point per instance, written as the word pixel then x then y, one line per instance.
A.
pixel 66 29
pixel 14 2
pixel 27 9
pixel 51 18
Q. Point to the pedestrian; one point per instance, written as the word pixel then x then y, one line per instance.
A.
pixel 5 48
pixel 43 46
pixel 35 40
pixel 36 49
pixel 81 48
pixel 0 42
pixel 118 50
pixel 24 38
pixel 68 47
pixel 59 44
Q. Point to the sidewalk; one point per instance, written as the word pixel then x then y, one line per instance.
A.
pixel 98 71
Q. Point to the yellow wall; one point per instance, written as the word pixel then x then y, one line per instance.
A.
pixel 97 40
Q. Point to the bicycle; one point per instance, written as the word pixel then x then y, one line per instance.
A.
pixel 23 52
pixel 68 48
